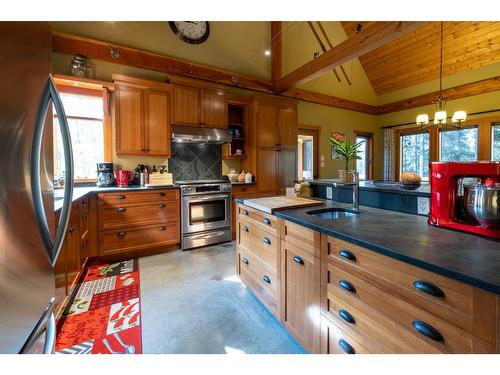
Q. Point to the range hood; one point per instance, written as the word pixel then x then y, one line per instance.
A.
pixel 192 134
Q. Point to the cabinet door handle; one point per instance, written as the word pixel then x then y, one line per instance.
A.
pixel 71 229
pixel 161 205
pixel 245 228
pixel 266 241
pixel 163 228
pixel 245 260
pixel 121 209
pixel 121 234
pixel 347 254
pixel 266 279
pixel 245 212
pixel 346 316
pixel 298 259
pixel 346 285
pixel 427 330
pixel 267 221
pixel 429 288
pixel 143 149
pixel 344 345
pixel 120 196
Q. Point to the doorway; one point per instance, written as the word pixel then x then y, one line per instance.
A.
pixel 364 166
pixel 308 152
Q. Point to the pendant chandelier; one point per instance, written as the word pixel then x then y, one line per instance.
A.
pixel 440 115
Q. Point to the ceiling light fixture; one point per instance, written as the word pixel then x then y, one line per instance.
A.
pixel 440 115
pixel 267 52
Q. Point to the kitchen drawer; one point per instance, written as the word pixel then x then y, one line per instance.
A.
pixel 305 238
pixel 260 242
pixel 259 269
pixel 144 196
pixel 137 214
pixel 336 341
pixel 264 221
pixel 138 238
pixel 452 299
pixel 262 284
pixel 377 312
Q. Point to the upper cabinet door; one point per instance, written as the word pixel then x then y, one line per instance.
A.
pixel 186 106
pixel 157 127
pixel 266 124
pixel 214 109
pixel 129 120
pixel 288 127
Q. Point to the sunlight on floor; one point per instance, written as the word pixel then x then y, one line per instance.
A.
pixel 233 278
pixel 230 350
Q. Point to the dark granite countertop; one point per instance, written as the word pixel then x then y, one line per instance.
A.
pixel 461 256
pixel 423 191
pixel 81 191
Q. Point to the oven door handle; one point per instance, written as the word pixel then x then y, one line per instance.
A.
pixel 203 199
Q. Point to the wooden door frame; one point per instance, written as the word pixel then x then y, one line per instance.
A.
pixel 316 145
pixel 368 135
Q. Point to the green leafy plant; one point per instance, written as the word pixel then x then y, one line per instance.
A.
pixel 346 150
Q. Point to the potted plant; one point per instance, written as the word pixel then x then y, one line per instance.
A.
pixel 347 151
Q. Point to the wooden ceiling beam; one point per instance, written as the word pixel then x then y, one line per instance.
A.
pixel 275 50
pixel 328 100
pixel 100 50
pixel 365 41
pixel 469 89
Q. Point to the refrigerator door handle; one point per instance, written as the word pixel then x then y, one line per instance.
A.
pixel 53 248
pixel 50 336
pixel 47 324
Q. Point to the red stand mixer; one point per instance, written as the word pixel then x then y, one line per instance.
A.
pixel 466 196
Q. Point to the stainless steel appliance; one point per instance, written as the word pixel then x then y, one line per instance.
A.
pixel 105 176
pixel 28 245
pixel 482 203
pixel 194 134
pixel 205 212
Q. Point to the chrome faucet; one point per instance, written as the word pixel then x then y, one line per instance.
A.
pixel 355 190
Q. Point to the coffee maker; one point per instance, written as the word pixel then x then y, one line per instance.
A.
pixel 105 176
pixel 466 196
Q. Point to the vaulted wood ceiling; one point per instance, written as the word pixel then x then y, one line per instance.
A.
pixel 414 58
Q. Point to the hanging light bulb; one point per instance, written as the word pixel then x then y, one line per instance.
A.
pixel 423 119
pixel 459 117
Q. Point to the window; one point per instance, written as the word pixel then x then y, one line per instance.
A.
pixel 458 145
pixel 305 157
pixel 414 154
pixel 85 120
pixel 363 165
pixel 495 142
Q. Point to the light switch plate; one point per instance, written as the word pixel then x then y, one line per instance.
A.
pixel 322 158
pixel 329 192
pixel 423 206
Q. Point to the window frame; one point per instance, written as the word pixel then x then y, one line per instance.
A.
pixel 74 87
pixel 493 125
pixel 414 131
pixel 463 127
pixel 369 166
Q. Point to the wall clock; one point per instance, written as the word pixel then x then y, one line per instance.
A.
pixel 193 32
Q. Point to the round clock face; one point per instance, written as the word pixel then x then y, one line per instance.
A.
pixel 193 32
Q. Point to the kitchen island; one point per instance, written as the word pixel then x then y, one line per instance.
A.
pixel 376 282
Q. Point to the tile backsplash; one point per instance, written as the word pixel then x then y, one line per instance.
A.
pixel 197 161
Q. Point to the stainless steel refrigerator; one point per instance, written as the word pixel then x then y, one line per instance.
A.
pixel 29 241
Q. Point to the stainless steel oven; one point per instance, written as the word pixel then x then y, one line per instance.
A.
pixel 205 213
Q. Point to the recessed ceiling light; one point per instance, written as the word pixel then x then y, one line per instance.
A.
pixel 267 52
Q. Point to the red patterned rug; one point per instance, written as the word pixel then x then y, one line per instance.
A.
pixel 103 315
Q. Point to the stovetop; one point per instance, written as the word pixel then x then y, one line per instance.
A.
pixel 200 182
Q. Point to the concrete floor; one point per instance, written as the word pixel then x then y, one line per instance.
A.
pixel 193 303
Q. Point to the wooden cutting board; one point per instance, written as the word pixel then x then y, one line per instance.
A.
pixel 272 204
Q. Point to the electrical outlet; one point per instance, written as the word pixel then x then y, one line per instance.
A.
pixel 322 158
pixel 423 206
pixel 329 192
pixel 322 164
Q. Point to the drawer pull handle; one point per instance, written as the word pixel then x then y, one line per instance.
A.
pixel 298 259
pixel 347 254
pixel 245 260
pixel 245 228
pixel 120 196
pixel 121 234
pixel 161 205
pixel 266 279
pixel 245 212
pixel 71 229
pixel 344 345
pixel 161 194
pixel 121 209
pixel 346 285
pixel 427 330
pixel 267 221
pixel 429 288
pixel 266 240
pixel 346 316
pixel 163 228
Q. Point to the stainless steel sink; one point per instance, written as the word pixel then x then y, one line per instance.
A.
pixel 333 213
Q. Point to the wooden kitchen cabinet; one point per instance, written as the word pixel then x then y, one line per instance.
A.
pixel 288 126
pixel 197 103
pixel 142 116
